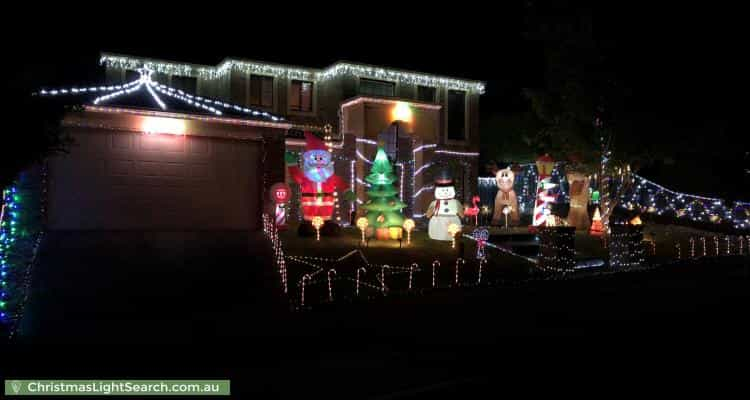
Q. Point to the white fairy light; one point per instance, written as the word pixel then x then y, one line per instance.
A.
pixel 423 189
pixel 310 74
pixel 423 147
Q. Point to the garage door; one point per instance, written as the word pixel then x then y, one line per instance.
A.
pixel 124 180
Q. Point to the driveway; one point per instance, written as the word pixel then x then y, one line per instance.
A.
pixel 148 287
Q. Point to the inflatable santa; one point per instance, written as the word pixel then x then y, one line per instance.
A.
pixel 444 210
pixel 318 185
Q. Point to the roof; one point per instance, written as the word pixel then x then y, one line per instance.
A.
pixel 148 94
pixel 292 72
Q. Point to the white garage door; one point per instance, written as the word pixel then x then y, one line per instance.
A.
pixel 125 180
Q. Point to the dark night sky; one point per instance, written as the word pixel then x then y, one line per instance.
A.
pixel 681 63
pixel 684 57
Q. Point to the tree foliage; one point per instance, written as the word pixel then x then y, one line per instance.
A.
pixel 32 129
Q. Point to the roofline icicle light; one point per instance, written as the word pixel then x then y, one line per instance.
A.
pixel 291 72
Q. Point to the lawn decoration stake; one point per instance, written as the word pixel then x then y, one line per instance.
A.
pixel 317 223
pixel 506 197
pixel 453 229
pixel 435 264
pixel 317 183
pixel 481 236
pixel 408 227
pixel 473 211
pixel 362 225
pixel 280 195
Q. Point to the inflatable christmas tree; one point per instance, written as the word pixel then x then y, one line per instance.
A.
pixel 383 207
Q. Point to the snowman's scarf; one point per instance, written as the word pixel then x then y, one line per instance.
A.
pixel 318 174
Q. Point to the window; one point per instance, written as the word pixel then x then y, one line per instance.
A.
pixel 377 88
pixel 184 83
pixel 301 96
pixel 131 75
pixel 456 115
pixel 426 93
pixel 261 91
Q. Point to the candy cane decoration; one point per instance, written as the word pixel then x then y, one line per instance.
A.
pixel 330 286
pixel 363 271
pixel 716 245
pixel 382 277
pixel 305 278
pixel 741 244
pixel 458 261
pixel 411 273
pixel 728 245
pixel 280 215
pixel 703 240
pixel 692 248
pixel 679 252
pixel 435 263
pixel 482 261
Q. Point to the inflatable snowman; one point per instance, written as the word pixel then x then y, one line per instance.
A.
pixel 444 210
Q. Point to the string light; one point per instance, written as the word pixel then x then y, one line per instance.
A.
pixel 557 248
pixel 22 214
pixel 459 262
pixel 382 277
pixel 626 248
pixel 413 268
pixel 482 261
pixel 309 74
pixel 330 285
pixel 458 153
pixel 692 247
pixel 716 245
pixel 145 80
pixel 363 270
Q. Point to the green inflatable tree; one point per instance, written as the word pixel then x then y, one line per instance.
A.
pixel 383 207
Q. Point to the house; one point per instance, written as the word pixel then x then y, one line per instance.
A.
pixel 175 146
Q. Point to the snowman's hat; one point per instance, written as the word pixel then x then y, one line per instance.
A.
pixel 444 178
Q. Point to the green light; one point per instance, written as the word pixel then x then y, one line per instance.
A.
pixel 2 303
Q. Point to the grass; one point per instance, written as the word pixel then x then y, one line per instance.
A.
pixel 316 257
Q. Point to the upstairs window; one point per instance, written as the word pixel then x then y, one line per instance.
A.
pixel 132 75
pixel 456 115
pixel 185 83
pixel 261 91
pixel 426 93
pixel 371 87
pixel 301 96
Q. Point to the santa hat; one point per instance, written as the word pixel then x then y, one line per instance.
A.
pixel 313 142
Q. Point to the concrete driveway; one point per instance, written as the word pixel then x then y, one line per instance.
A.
pixel 148 287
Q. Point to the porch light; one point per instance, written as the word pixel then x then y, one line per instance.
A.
pixel 401 112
